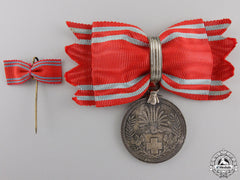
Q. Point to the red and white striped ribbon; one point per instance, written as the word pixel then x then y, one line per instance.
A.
pixel 114 66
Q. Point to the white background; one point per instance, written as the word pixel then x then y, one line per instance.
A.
pixel 77 142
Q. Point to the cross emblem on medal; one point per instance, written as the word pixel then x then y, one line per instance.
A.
pixel 154 145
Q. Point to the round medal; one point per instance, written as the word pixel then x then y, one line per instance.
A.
pixel 153 133
pixel 121 69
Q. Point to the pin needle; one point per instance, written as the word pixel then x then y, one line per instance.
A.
pixel 36 97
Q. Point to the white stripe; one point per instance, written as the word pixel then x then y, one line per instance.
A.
pixel 184 35
pixel 119 37
pixel 46 61
pixel 84 42
pixel 219 93
pixel 114 96
pixel 192 26
pixel 81 31
pixel 217 27
pixel 216 38
pixel 16 62
pixel 135 81
pixel 14 79
pixel 85 87
pixel 85 98
pixel 201 25
pixel 17 65
pixel 112 38
pixel 194 81
pixel 117 28
pixel 19 81
pixel 196 92
pixel 112 86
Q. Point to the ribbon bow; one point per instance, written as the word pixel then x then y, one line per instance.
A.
pixel 114 62
pixel 45 71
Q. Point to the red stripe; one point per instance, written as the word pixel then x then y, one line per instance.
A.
pixel 222 69
pixel 81 74
pixel 78 25
pixel 187 58
pixel 84 93
pixel 15 72
pixel 85 103
pixel 188 22
pixel 217 22
pixel 19 62
pixel 200 97
pixel 48 71
pixel 219 97
pixel 109 24
pixel 81 26
pixel 111 60
pixel 17 83
pixel 119 101
pixel 55 78
pixel 81 54
pixel 194 87
pixel 44 63
pixel 108 102
pixel 123 90
pixel 83 36
pixel 216 32
pixel 16 61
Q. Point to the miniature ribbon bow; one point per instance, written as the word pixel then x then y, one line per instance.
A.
pixel 45 71
pixel 114 62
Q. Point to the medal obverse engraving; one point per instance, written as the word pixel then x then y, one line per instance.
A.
pixel 153 133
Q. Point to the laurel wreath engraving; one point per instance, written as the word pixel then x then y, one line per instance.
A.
pixel 157 122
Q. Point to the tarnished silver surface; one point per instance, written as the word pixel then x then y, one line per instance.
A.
pixel 153 133
pixel 155 59
pixel 153 98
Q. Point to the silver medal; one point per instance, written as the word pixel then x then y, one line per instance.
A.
pixel 153 133
pixel 153 129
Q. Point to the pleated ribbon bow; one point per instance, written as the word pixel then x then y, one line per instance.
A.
pixel 114 62
pixel 46 71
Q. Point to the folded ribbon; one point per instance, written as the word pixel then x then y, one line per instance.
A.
pixel 45 71
pixel 114 65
